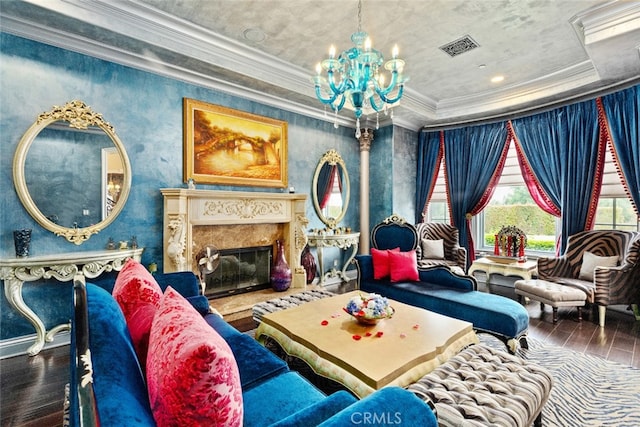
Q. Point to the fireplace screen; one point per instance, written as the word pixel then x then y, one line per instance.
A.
pixel 240 270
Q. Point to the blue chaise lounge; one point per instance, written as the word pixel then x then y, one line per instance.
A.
pixel 441 290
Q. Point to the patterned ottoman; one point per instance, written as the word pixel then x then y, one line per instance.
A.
pixel 553 294
pixel 294 300
pixel 481 386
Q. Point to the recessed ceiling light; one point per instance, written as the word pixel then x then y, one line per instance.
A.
pixel 497 79
pixel 254 35
pixel 481 66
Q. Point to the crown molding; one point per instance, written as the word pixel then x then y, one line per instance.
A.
pixel 159 30
pixel 148 63
pixel 568 79
pixel 609 20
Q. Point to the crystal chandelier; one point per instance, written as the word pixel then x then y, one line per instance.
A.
pixel 356 75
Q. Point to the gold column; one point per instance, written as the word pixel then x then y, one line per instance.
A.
pixel 365 140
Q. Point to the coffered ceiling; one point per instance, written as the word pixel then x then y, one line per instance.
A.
pixel 548 51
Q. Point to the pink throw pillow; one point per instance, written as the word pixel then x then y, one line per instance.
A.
pixel 138 295
pixel 192 375
pixel 381 262
pixel 403 266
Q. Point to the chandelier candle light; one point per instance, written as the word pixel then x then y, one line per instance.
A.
pixel 355 75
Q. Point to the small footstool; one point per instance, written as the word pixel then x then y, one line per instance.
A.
pixel 481 386
pixel 553 294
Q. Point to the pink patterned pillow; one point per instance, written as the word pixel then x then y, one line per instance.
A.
pixel 138 295
pixel 403 266
pixel 192 376
pixel 381 262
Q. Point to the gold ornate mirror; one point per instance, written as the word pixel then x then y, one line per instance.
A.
pixel 67 169
pixel 330 189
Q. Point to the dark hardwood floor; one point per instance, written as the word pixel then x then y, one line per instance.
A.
pixel 32 388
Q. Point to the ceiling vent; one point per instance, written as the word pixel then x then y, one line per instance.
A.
pixel 459 46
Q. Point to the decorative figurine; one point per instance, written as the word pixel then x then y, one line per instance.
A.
pixel 111 244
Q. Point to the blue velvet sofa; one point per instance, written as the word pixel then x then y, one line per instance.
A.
pixel 442 291
pixel 110 389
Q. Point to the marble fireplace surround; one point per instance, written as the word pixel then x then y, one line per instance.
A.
pixel 232 219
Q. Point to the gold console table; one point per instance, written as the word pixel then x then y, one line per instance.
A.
pixel 343 241
pixel 62 267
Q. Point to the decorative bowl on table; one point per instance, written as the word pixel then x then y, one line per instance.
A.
pixel 369 309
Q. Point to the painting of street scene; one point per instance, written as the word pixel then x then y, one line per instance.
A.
pixel 226 146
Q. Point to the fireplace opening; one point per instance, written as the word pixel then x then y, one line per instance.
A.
pixel 240 270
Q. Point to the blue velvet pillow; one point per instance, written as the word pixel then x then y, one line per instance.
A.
pixel 185 282
pixel 119 385
pixel 255 363
pixel 200 303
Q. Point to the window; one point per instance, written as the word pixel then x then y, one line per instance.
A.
pixel 438 212
pixel 615 213
pixel 615 210
pixel 513 205
pixel 438 208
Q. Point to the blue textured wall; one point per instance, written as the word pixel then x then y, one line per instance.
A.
pixel 405 159
pixel 392 175
pixel 146 112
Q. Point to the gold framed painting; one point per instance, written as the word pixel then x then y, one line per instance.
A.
pixel 232 147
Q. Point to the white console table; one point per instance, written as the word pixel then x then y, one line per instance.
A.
pixel 342 241
pixel 62 267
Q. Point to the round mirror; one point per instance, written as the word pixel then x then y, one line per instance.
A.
pixel 331 189
pixel 71 172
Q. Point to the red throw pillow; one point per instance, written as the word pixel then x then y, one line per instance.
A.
pixel 381 262
pixel 192 376
pixel 138 295
pixel 403 266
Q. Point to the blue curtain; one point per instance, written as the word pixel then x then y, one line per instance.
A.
pixel 474 157
pixel 566 153
pixel 622 111
pixel 429 158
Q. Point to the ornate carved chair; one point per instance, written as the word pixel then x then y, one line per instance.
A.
pixel 615 284
pixel 429 251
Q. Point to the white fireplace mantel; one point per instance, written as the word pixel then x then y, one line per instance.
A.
pixel 184 209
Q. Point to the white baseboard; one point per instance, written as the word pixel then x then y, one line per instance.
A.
pixel 18 346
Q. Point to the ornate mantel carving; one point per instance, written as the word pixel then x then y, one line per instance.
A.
pixel 184 209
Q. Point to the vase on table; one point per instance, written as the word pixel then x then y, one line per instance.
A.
pixel 308 263
pixel 22 242
pixel 496 245
pixel 280 271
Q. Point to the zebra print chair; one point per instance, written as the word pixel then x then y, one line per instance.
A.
pixel 453 254
pixel 610 285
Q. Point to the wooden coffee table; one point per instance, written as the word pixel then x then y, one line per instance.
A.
pixel 412 343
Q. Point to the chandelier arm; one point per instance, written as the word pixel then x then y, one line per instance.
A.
pixel 392 84
pixel 342 87
pixel 396 98
pixel 322 99
pixel 377 108
pixel 341 104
